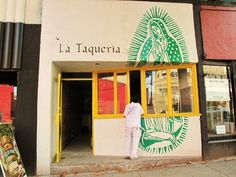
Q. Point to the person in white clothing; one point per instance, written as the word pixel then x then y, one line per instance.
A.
pixel 132 113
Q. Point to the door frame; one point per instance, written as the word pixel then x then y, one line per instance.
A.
pixel 59 117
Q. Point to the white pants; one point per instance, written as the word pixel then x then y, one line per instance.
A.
pixel 132 136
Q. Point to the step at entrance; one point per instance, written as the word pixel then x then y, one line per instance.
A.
pixel 101 164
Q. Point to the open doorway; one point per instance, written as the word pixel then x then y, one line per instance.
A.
pixel 76 117
pixel 135 85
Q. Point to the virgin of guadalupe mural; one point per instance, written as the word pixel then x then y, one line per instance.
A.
pixel 163 135
pixel 157 40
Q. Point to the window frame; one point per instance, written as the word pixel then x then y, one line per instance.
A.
pixel 230 73
pixel 142 70
pixel 170 112
pixel 115 74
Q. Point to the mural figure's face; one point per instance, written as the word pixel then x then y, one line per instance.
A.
pixel 155 30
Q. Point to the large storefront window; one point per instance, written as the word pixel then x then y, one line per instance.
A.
pixel 219 105
pixel 112 92
pixel 171 91
pixel 164 91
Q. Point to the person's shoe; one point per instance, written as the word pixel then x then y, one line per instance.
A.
pixel 127 157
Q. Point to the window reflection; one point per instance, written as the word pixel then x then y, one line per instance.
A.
pixel 219 107
pixel 105 93
pixel 181 87
pixel 121 92
pixel 156 89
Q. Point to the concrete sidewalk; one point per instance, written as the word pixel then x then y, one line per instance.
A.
pixel 216 168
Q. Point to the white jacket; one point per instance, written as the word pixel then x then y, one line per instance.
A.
pixel 133 112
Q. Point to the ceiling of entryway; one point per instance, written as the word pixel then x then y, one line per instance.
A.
pixel 76 66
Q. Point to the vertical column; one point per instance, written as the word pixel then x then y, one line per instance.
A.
pixel 8 33
pixel 7 43
pixel 18 34
pixel 1 40
pixel 3 5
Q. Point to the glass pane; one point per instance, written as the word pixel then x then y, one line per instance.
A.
pixel 156 89
pixel 219 108
pixel 121 92
pixel 181 88
pixel 105 93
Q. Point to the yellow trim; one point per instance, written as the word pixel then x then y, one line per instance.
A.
pixel 59 112
pixel 142 70
pixel 151 67
pixel 121 116
pixel 195 89
pixel 109 116
pixel 61 119
pixel 58 123
pixel 116 114
pixel 128 88
pixel 95 86
pixel 145 68
pixel 169 93
pixel 171 115
pixel 143 91
pixel 93 107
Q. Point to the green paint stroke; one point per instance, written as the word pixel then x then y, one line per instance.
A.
pixel 157 40
pixel 163 135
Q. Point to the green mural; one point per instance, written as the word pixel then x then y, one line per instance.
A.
pixel 157 40
pixel 162 135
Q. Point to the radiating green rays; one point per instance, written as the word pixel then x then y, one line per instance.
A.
pixel 157 40
pixel 163 135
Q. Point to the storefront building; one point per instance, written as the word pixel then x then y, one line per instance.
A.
pixel 20 30
pixel 217 74
pixel 95 56
pixel 76 64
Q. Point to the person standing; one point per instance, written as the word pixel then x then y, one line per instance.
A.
pixel 133 112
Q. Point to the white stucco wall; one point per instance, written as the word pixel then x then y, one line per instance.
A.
pixel 109 139
pixel 104 23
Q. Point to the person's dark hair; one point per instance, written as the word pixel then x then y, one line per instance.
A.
pixel 135 100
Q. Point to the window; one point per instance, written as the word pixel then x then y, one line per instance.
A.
pixel 181 88
pixel 219 107
pixel 156 92
pixel 163 91
pixel 112 93
pixel 171 91
pixel 121 92
pixel 105 93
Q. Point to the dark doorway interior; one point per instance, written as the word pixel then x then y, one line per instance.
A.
pixel 9 78
pixel 135 85
pixel 76 116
